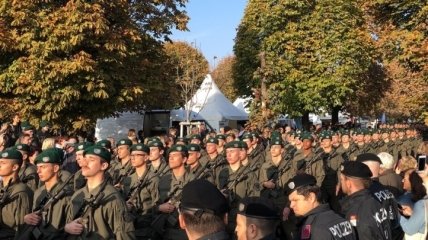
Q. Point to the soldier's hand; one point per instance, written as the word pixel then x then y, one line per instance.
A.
pixel 166 208
pixel 32 219
pixel 285 213
pixel 74 227
pixel 269 184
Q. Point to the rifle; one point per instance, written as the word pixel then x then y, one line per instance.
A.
pixel 241 176
pixel 43 206
pixel 204 170
pixel 159 222
pixel 90 204
pixel 133 193
pixel 122 176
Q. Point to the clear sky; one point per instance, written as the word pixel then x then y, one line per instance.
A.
pixel 212 26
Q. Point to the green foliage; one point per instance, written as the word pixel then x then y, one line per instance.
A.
pixel 71 62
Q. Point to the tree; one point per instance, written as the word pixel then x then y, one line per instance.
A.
pixel 71 62
pixel 188 68
pixel 402 38
pixel 222 75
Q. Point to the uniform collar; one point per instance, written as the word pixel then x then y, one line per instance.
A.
pixel 222 235
pixel 318 209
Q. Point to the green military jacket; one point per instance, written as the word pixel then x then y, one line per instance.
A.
pixel 109 220
pixel 53 219
pixel 219 162
pixel 311 164
pixel 257 155
pixel 332 162
pixel 15 202
pixel 79 180
pixel 28 175
pixel 142 192
pixel 161 170
pixel 283 173
pixel 119 172
pixel 357 150
pixel 201 172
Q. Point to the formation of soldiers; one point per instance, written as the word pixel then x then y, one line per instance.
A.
pixel 133 190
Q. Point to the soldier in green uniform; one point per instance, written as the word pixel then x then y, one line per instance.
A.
pixel 401 143
pixel 376 141
pixel 346 146
pixel 50 200
pixel 221 142
pixel 142 195
pixel 309 161
pixel 28 172
pixel 98 210
pixel 359 147
pixel 237 181
pixel 158 165
pixel 79 180
pixel 121 169
pixel 395 144
pixel 197 168
pixel 332 161
pixel 197 139
pixel 15 197
pixel 254 157
pixel 216 160
pixel 170 188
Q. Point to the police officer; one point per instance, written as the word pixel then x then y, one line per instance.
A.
pixel 98 210
pixel 50 200
pixel 15 197
pixel 319 221
pixel 203 211
pixel 141 192
pixel 257 218
pixel 365 214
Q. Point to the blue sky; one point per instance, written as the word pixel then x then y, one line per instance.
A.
pixel 212 26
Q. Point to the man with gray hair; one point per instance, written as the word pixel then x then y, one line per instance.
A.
pixel 387 176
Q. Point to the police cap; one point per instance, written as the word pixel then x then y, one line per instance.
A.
pixel 355 169
pixel 256 207
pixel 365 157
pixel 301 180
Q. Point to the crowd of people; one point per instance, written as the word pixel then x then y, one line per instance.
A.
pixel 272 183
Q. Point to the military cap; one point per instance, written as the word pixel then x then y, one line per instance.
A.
pixel 50 155
pixel 196 136
pixel 355 169
pixel 306 135
pixel 359 131
pixel 256 207
pixel 325 135
pixel 293 133
pixel 98 151
pixel 386 130
pixel 276 141
pixel 84 145
pixel 178 148
pixel 23 147
pixel 221 136
pixel 231 135
pixel 345 132
pixel 275 134
pixel 368 131
pixel 44 123
pixel 255 134
pixel 181 139
pixel 124 141
pixel 152 139
pixel 11 154
pixel 140 147
pixel 212 140
pixel 301 180
pixel 247 135
pixel 236 144
pixel 201 196
pixel 364 157
pixel 27 126
pixel 193 148
pixel 158 144
pixel 104 143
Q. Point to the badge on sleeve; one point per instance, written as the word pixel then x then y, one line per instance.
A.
pixel 306 232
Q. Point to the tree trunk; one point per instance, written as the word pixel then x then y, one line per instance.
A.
pixel 305 121
pixel 335 115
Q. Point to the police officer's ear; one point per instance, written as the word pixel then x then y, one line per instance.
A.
pixel 252 231
pixel 181 221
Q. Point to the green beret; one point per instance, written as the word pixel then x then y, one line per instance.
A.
pixel 153 139
pixel 325 135
pixel 355 169
pixel 368 132
pixel 306 135
pixel 275 134
pixel 196 136
pixel 158 144
pixel 255 135
pixel 140 147
pixel 276 141
pixel 98 151
pixel 11 154
pixel 236 144
pixel 193 148
pixel 231 135
pixel 293 133
pixel 84 145
pixel 221 136
pixel 256 207
pixel 359 131
pixel 104 143
pixel 247 135
pixel 212 140
pixel 345 132
pixel 27 126
pixel 50 155
pixel 301 180
pixel 386 130
pixel 124 141
pixel 178 148
pixel 44 123
pixel 23 147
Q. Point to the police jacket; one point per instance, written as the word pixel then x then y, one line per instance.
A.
pixel 322 223
pixel 367 216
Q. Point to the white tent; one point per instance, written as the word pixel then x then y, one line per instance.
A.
pixel 210 103
pixel 242 103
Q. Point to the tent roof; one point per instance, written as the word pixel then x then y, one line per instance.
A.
pixel 210 103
